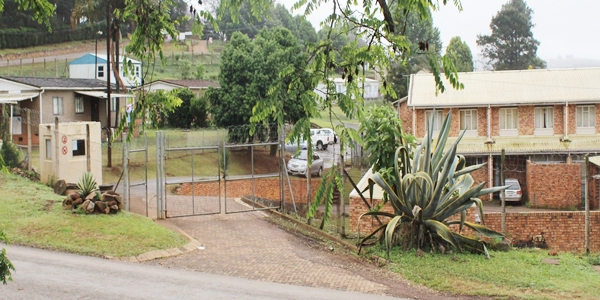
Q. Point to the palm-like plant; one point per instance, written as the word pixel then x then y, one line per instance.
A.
pixel 430 186
pixel 87 185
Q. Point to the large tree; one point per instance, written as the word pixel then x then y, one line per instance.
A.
pixel 511 45
pixel 425 44
pixel 460 54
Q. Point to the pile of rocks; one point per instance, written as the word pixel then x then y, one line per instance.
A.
pixel 95 203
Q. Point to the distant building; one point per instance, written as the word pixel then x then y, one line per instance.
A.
pixel 91 66
pixel 371 88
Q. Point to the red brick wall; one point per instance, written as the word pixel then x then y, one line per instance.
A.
pixel 420 123
pixel 482 175
pixel 593 187
pixel 572 119
pixel 563 231
pixel 526 122
pixel 559 119
pixel 406 117
pixel 554 185
pixel 495 121
pixel 482 121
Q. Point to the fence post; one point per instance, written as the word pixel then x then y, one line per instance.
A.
pixel 587 205
pixel 28 116
pixel 282 167
pixel 503 193
pixel 126 175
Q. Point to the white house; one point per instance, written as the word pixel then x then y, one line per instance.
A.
pixel 371 87
pixel 91 66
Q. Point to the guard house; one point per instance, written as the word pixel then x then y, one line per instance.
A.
pixel 70 151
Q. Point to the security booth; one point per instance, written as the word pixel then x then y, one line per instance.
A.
pixel 68 150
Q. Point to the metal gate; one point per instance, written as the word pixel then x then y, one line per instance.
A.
pixel 220 173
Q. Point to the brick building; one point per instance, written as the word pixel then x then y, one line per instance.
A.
pixel 545 120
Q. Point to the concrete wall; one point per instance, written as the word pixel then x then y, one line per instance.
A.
pixel 554 185
pixel 60 161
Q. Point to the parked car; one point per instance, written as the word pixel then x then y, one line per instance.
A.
pixel 321 138
pixel 293 146
pixel 332 135
pixel 297 165
pixel 513 193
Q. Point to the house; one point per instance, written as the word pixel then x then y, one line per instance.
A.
pixel 546 121
pixel 93 66
pixel 371 88
pixel 196 86
pixel 67 99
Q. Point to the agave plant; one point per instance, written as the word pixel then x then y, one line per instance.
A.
pixel 87 185
pixel 430 186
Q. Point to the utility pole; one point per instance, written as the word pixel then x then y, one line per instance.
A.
pixel 109 157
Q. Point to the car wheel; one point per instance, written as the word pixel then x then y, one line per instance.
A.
pixel 320 173
pixel 325 147
pixel 319 145
pixel 335 139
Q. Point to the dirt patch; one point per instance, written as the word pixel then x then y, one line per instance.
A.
pixel 48 205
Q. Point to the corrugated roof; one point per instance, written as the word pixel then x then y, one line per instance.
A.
pixel 198 84
pixel 595 160
pixel 90 58
pixel 72 83
pixel 503 88
pixel 527 145
pixel 364 183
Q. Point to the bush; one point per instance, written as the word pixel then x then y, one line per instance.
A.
pixel 10 154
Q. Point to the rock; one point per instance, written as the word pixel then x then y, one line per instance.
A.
pixel 74 196
pixel 90 208
pixel 112 196
pixel 553 253
pixel 60 187
pixel 91 196
pixel 77 202
pixel 85 205
pixel 101 206
pixel 68 201
pixel 111 203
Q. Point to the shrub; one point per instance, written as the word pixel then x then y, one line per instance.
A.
pixel 10 154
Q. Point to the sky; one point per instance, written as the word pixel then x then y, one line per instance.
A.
pixel 564 28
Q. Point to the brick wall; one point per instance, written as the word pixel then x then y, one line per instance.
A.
pixel 406 117
pixel 495 121
pixel 559 119
pixel 482 121
pixel 572 117
pixel 593 188
pixel 482 175
pixel 563 231
pixel 526 120
pixel 420 123
pixel 554 185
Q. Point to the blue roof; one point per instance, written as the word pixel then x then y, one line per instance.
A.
pixel 87 60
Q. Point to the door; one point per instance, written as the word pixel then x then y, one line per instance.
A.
pixel 95 111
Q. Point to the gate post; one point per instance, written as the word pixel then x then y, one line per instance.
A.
pixel 282 172
pixel 159 175
pixel 126 185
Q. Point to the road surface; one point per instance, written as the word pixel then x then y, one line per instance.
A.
pixel 43 274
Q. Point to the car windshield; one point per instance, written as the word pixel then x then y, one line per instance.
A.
pixel 301 156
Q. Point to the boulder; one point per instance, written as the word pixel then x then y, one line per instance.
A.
pixel 77 202
pixel 90 208
pixel 60 187
pixel 101 207
pixel 112 196
pixel 85 205
pixel 91 196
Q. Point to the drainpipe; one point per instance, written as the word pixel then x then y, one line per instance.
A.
pixel 41 121
pixel 489 123
pixel 414 122
pixel 566 122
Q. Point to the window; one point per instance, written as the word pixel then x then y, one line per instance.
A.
pixel 509 120
pixel 57 104
pixel 48 149
pixel 78 147
pixel 78 105
pixel 114 104
pixel 473 160
pixel 437 116
pixel 586 119
pixel 100 71
pixel 468 121
pixel 137 71
pixel 544 120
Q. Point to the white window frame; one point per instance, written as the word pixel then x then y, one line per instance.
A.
pixel 48 144
pixel 137 71
pixel 113 104
pixel 100 72
pixel 57 106
pixel 469 121
pixel 543 120
pixel 586 119
pixel 437 121
pixel 79 105
pixel 509 121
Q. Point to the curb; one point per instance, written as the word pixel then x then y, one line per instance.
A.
pixel 171 252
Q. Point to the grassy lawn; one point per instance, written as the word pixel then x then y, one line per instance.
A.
pixel 516 274
pixel 31 214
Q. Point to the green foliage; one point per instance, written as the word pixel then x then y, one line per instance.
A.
pixel 332 180
pixel 383 134
pixel 200 71
pixel 511 45
pixel 157 105
pixel 183 115
pixel 199 112
pixel 87 185
pixel 431 185
pixel 460 54
pixel 10 154
pixel 5 265
pixel 185 66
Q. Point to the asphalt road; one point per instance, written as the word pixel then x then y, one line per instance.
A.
pixel 43 274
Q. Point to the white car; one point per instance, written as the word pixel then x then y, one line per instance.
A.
pixel 513 193
pixel 332 136
pixel 298 164
pixel 321 138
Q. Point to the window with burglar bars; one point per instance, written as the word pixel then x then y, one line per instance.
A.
pixel 57 105
pixel 544 120
pixel 468 121
pixel 509 121
pixel 586 119
pixel 438 118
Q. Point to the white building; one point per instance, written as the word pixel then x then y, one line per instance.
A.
pixel 371 87
pixel 91 66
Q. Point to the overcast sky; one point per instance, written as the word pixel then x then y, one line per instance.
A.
pixel 564 28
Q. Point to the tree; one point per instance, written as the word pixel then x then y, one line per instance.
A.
pixel 511 45
pixel 425 44
pixel 5 265
pixel 460 54
pixel 190 113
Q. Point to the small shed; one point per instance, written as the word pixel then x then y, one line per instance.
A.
pixel 68 150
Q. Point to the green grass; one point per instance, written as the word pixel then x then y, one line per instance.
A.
pixel 515 274
pixel 31 214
